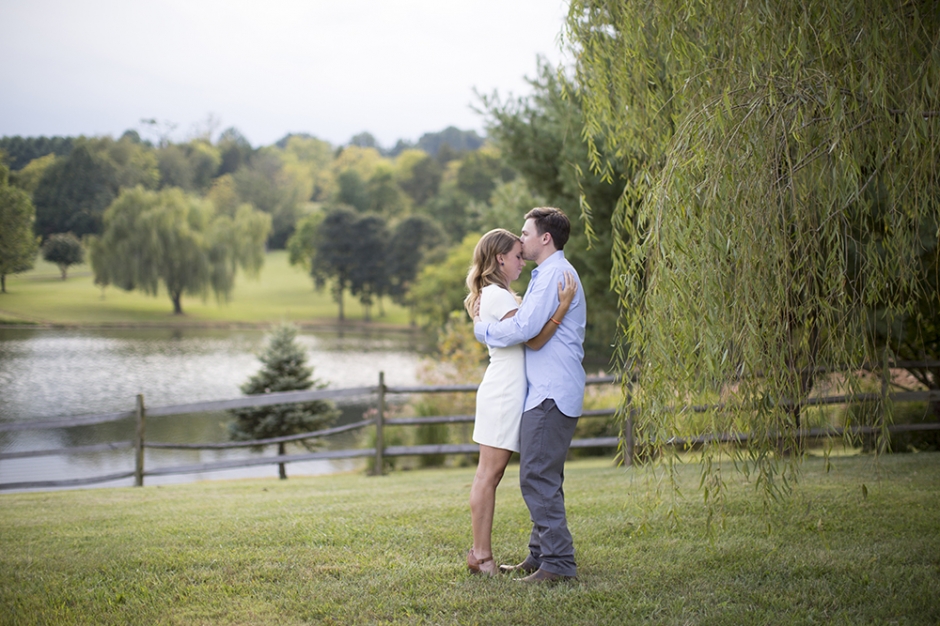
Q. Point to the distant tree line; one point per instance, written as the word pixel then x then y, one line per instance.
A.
pixel 21 150
pixel 363 220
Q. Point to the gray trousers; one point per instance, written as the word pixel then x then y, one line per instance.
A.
pixel 545 437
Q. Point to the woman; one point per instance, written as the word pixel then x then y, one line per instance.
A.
pixel 497 261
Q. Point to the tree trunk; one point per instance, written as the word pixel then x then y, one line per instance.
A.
pixel 806 382
pixel 931 380
pixel 339 300
pixel 3 283
pixel 281 469
pixel 64 270
pixel 177 306
pixel 933 383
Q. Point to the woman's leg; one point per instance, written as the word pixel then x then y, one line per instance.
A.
pixel 490 470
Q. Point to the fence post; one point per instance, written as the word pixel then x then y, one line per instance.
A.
pixel 629 442
pixel 139 443
pixel 883 416
pixel 379 424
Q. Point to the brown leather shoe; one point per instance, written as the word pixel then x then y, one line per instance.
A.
pixel 528 566
pixel 543 576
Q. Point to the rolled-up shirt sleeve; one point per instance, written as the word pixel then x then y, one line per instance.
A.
pixel 537 306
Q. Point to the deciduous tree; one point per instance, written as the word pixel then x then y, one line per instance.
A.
pixel 451 209
pixel 365 139
pixel 204 161
pixel 783 165
pixel 440 287
pixel 302 245
pixel 334 252
pixel 190 166
pixel 28 178
pixel 308 159
pixel 178 241
pixel 385 197
pixel 63 249
pixel 369 274
pixel 352 190
pixel 18 244
pixel 22 150
pixel 174 168
pixel 269 188
pixel 74 192
pixel 412 242
pixel 455 139
pixel 234 150
pixel 419 175
pixel 480 171
pixel 539 135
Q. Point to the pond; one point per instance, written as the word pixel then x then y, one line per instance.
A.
pixel 50 373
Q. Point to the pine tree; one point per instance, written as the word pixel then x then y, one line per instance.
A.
pixel 285 369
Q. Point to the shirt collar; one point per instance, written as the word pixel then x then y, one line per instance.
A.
pixel 557 257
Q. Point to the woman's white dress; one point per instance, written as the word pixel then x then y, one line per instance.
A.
pixel 501 395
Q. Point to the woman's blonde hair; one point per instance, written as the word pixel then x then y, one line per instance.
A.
pixel 485 268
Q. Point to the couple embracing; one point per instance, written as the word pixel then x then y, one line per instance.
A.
pixel 533 389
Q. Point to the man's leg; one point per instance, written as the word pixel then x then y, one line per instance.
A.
pixel 545 437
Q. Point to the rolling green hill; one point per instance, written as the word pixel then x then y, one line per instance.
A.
pixel 282 293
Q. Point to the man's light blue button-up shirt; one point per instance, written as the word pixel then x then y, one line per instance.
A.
pixel 555 371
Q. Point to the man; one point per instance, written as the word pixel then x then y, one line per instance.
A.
pixel 555 393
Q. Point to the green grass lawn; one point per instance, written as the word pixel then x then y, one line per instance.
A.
pixel 283 293
pixel 858 544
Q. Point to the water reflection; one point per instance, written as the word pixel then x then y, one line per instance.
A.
pixel 46 373
pixel 50 373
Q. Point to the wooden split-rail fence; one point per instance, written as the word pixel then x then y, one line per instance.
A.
pixel 380 395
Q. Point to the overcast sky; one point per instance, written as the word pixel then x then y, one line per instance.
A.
pixel 331 68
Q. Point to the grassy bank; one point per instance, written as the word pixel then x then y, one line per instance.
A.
pixel 283 293
pixel 859 544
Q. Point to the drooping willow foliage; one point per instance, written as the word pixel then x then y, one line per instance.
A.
pixel 786 179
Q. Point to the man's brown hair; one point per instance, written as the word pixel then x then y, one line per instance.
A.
pixel 552 221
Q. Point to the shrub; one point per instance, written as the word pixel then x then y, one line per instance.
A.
pixel 63 249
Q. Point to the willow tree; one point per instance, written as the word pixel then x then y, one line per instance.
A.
pixel 177 241
pixel 784 174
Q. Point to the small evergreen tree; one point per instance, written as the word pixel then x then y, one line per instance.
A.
pixel 285 369
pixel 63 249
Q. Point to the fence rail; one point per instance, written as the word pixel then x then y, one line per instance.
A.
pixel 380 450
pixel 261 442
